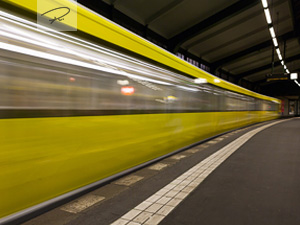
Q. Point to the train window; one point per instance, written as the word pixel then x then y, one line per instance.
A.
pixel 91 78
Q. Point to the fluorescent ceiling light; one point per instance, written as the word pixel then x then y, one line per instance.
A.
pixel 287 71
pixel 297 82
pixel 282 62
pixel 275 42
pixel 264 3
pixel 279 56
pixel 294 76
pixel 272 32
pixel 268 16
pixel 285 67
pixel 278 51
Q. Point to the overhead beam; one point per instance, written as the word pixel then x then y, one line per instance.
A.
pixel 229 26
pixel 280 88
pixel 262 81
pixel 113 2
pixel 283 88
pixel 295 11
pixel 163 11
pixel 221 30
pixel 267 66
pixel 109 11
pixel 223 15
pixel 260 46
pixel 235 39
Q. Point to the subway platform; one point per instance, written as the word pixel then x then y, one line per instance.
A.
pixel 248 176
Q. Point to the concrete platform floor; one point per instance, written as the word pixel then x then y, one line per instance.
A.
pixel 228 180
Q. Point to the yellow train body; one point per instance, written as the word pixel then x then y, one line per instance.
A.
pixel 43 158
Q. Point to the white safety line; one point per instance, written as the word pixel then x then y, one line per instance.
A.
pixel 155 208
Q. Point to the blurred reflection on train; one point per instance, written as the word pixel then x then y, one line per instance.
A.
pixel 73 113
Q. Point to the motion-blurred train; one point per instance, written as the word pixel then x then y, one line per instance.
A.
pixel 74 112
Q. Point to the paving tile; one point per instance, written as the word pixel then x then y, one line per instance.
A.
pixel 185 182
pixel 219 139
pixel 170 186
pixel 158 166
pixel 131 214
pixel 188 189
pixel 200 179
pixel 141 218
pixel 154 220
pixel 162 191
pixel 163 200
pixel 110 190
pixel 179 187
pixel 154 208
pixel 181 195
pixel 190 178
pixel 129 180
pixel 82 203
pixel 174 202
pixel 192 151
pixel 171 193
pixel 193 184
pixel 120 222
pixel 175 182
pixel 133 223
pixel 143 205
pixel 178 157
pixel 153 198
pixel 165 210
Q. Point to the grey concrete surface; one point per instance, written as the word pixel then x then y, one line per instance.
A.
pixel 259 184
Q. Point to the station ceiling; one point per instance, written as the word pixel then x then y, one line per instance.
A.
pixel 231 37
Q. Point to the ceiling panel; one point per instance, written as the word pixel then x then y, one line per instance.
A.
pixel 242 36
pixel 294 66
pixel 141 10
pixel 262 75
pixel 223 27
pixel 187 14
pixel 253 61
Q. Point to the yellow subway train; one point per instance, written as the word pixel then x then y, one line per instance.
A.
pixel 74 113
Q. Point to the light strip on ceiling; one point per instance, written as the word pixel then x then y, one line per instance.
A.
pixel 264 3
pixel 275 42
pixel 268 16
pixel 279 56
pixel 272 32
pixel 273 35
